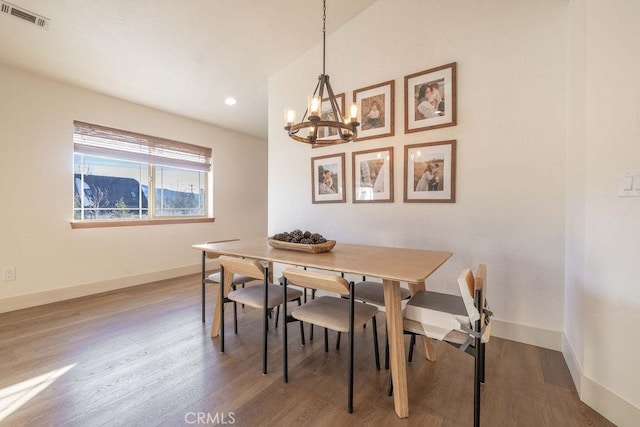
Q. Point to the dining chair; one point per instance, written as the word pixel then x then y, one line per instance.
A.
pixel 265 297
pixel 214 277
pixel 371 292
pixel 313 295
pixel 463 321
pixel 328 312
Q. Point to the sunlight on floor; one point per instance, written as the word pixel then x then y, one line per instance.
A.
pixel 13 397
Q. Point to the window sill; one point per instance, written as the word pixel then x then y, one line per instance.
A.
pixel 135 222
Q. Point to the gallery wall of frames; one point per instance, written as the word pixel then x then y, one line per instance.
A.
pixel 429 168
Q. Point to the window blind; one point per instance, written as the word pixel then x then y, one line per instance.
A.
pixel 96 140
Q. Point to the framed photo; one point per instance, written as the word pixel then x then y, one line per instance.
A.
pixel 325 133
pixel 376 106
pixel 430 172
pixel 327 176
pixel 430 99
pixel 373 175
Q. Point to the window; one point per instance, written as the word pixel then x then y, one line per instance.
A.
pixel 120 175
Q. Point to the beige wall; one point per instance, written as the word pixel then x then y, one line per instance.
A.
pixel 36 194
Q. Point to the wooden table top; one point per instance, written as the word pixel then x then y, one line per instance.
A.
pixel 397 264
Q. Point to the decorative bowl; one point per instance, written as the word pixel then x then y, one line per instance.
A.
pixel 303 247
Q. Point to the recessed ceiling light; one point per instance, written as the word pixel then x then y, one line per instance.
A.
pixel 230 100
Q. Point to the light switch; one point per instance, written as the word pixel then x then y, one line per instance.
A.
pixel 630 184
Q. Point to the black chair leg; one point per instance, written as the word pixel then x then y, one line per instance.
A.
pixel 313 296
pixel 326 340
pixel 235 317
pixel 277 315
pixel 302 333
pixel 300 322
pixel 351 328
pixel 265 324
pixel 203 319
pixel 350 402
pixel 374 323
pixel 203 278
pixel 483 362
pixel 285 370
pixel 338 338
pixel 269 314
pixel 221 308
pixel 476 382
pixel 386 349
pixel 411 346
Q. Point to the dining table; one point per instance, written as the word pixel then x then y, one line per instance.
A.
pixel 392 265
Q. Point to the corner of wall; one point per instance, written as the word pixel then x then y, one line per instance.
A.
pixel 600 399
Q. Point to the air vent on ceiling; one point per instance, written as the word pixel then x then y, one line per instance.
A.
pixel 24 14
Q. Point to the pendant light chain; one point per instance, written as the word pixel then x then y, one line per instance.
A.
pixel 324 34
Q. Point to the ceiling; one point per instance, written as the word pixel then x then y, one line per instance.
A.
pixel 184 57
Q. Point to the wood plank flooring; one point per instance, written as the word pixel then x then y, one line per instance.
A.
pixel 142 357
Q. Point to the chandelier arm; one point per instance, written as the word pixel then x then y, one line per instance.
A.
pixel 334 102
pixel 322 82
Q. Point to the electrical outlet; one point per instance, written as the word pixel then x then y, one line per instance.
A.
pixel 8 273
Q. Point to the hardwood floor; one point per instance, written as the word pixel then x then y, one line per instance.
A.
pixel 141 357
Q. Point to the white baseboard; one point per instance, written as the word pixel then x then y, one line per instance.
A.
pixel 600 399
pixel 545 338
pixel 40 298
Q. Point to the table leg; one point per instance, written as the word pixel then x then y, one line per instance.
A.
pixel 429 348
pixel 215 325
pixel 396 347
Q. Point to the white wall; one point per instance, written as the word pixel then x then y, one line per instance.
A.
pixel 603 298
pixel 36 195
pixel 509 211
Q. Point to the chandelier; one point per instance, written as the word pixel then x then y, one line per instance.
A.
pixel 341 128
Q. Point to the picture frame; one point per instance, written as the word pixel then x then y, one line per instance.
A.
pixel 430 172
pixel 326 113
pixel 376 104
pixel 430 99
pixel 327 179
pixel 372 175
